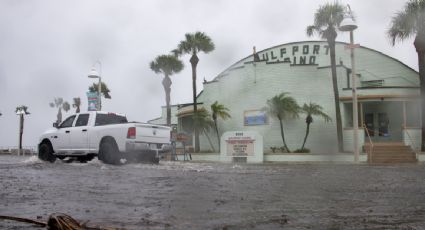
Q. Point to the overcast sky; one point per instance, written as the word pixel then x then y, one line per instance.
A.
pixel 47 48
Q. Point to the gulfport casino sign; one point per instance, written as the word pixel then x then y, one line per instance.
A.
pixel 296 54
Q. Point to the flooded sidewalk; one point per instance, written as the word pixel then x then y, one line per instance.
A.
pixel 190 195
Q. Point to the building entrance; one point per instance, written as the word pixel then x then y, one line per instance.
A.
pixel 377 125
pixel 383 120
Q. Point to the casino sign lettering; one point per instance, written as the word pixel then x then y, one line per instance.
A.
pixel 296 54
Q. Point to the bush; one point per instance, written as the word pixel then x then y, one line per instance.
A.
pixel 304 150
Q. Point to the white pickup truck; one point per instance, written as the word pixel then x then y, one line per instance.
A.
pixel 106 135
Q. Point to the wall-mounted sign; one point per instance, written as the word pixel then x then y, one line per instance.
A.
pixel 255 117
pixel 296 54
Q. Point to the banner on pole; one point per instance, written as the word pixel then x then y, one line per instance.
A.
pixel 92 99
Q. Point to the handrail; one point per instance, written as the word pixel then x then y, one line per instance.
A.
pixel 370 141
pixel 411 141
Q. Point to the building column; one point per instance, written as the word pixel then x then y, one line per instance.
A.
pixel 404 115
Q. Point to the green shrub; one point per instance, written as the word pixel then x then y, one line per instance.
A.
pixel 304 150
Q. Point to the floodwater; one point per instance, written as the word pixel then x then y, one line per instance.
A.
pixel 190 195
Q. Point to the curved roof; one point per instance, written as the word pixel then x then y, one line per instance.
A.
pixel 299 42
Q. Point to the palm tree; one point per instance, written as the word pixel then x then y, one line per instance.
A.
pixel 60 104
pixel 103 89
pixel 405 24
pixel 326 21
pixel 167 65
pixel 219 111
pixel 77 104
pixel 311 110
pixel 192 45
pixel 21 111
pixel 202 121
pixel 283 107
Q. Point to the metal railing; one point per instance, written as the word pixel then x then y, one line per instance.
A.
pixel 370 141
pixel 14 150
pixel 412 142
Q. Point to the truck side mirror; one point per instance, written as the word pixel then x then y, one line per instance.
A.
pixel 55 124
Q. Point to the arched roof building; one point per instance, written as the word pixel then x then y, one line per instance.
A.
pixel 388 94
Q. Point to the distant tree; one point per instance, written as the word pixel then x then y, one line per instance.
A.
pixel 192 45
pixel 60 104
pixel 283 107
pixel 408 23
pixel 202 120
pixel 311 110
pixel 77 104
pixel 103 89
pixel 219 111
pixel 21 111
pixel 326 23
pixel 167 65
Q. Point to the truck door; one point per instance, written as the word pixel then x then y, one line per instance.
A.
pixel 79 137
pixel 61 139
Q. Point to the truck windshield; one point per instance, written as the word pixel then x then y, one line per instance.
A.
pixel 108 119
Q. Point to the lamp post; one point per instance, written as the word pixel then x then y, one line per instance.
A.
pixel 348 24
pixel 94 74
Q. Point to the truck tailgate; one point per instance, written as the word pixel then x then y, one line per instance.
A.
pixel 152 133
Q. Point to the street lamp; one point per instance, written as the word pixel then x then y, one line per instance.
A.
pixel 348 24
pixel 94 74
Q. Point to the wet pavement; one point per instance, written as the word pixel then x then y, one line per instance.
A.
pixel 190 195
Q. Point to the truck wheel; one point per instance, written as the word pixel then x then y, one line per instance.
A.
pixel 45 153
pixel 109 153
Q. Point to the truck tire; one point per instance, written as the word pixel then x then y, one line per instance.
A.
pixel 45 153
pixel 109 153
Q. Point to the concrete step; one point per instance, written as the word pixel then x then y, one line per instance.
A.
pixel 391 152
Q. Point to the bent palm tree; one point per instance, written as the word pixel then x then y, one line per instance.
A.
pixel 192 45
pixel 202 120
pixel 219 111
pixel 60 104
pixel 405 24
pixel 77 104
pixel 167 65
pixel 326 21
pixel 311 110
pixel 283 107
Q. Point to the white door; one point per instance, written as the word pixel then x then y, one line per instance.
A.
pixel 79 135
pixel 62 138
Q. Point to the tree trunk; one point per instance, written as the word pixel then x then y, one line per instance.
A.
pixel 209 140
pixel 218 137
pixel 78 109
pixel 306 135
pixel 59 116
pixel 21 131
pixel 331 42
pixel 283 135
pixel 420 49
pixel 166 82
pixel 194 62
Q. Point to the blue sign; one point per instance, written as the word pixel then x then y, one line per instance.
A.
pixel 255 117
pixel 92 99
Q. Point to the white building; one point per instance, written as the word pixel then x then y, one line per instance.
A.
pixel 388 96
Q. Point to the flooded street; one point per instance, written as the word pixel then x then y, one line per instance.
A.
pixel 189 195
